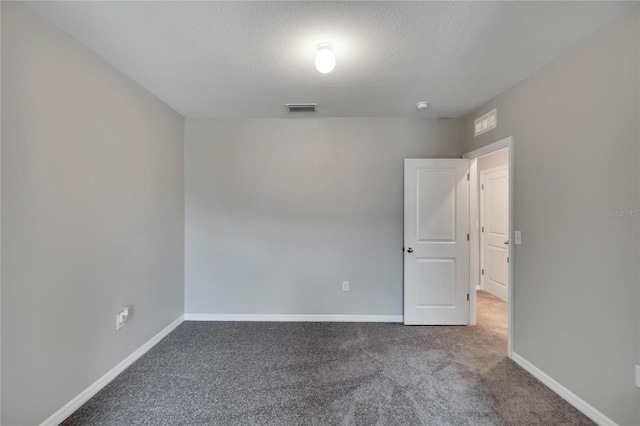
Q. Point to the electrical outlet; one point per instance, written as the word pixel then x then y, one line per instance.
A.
pixel 122 317
pixel 119 321
pixel 345 285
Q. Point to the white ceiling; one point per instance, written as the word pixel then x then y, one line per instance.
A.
pixel 247 59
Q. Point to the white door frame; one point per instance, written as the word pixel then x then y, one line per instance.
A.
pixel 474 217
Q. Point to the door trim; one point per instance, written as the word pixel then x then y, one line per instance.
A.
pixel 474 215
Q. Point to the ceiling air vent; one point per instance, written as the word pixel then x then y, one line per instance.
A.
pixel 302 107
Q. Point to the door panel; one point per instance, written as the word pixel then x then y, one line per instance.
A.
pixel 436 218
pixel 494 200
pixel 494 270
pixel 441 273
pixel 436 205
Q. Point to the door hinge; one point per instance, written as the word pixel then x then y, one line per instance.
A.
pixel 467 237
pixel 483 272
pixel 483 229
pixel 467 176
pixel 467 297
pixel 482 186
pixel 507 259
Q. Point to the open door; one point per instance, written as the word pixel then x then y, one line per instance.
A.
pixel 494 231
pixel 436 245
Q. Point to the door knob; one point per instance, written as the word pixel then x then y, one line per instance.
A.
pixel 409 250
pixel 506 242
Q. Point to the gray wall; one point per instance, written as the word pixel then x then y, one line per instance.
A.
pixel 92 216
pixel 280 211
pixel 0 218
pixel 495 159
pixel 575 127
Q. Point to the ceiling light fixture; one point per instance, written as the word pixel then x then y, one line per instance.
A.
pixel 422 105
pixel 325 59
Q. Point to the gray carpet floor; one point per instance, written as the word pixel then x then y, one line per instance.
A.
pixel 232 373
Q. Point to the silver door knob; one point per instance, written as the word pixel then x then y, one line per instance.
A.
pixel 409 250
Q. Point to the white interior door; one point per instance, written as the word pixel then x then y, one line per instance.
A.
pixel 494 231
pixel 436 257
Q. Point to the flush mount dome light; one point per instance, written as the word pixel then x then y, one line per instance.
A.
pixel 422 105
pixel 325 59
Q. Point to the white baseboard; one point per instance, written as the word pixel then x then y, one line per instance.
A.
pixel 293 318
pixel 565 393
pixel 60 415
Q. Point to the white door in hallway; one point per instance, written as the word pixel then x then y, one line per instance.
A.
pixel 436 246
pixel 494 218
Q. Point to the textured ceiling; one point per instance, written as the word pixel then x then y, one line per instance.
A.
pixel 247 59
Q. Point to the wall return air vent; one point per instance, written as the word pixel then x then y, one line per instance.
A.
pixel 302 107
pixel 485 123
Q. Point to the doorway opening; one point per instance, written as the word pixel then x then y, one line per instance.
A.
pixel 491 231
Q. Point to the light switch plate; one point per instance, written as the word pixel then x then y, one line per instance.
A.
pixel 518 238
pixel 638 376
